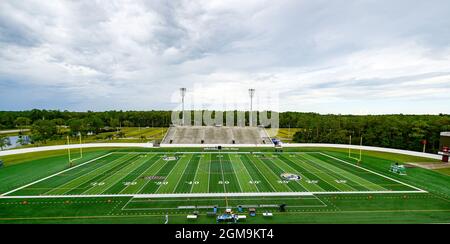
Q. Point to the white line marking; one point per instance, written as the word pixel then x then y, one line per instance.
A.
pixel 150 168
pixel 126 204
pixel 123 175
pixel 140 175
pixel 304 164
pixel 195 175
pixel 249 175
pixel 209 172
pixel 53 175
pixel 373 172
pixel 184 171
pixel 223 176
pixel 234 173
pixel 257 168
pixel 167 176
pixel 102 167
pixel 228 194
pixel 139 200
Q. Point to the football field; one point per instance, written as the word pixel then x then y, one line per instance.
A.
pixel 203 174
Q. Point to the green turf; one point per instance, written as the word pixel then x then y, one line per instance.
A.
pixel 384 208
pixel 139 171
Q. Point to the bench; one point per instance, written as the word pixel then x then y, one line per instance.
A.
pixel 239 217
pixel 192 216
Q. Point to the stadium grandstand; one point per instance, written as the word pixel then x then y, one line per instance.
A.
pixel 216 135
pixel 185 133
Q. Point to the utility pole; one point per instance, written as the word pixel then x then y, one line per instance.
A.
pixel 251 92
pixel 183 93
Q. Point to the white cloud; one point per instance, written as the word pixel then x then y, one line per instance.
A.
pixel 329 57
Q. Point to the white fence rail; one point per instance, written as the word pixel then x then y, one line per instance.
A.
pixel 368 148
pixel 286 145
pixel 62 147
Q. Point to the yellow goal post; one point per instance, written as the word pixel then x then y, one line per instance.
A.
pixel 69 153
pixel 350 149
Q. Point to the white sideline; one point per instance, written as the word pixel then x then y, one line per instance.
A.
pixel 373 172
pixel 368 148
pixel 53 175
pixel 241 194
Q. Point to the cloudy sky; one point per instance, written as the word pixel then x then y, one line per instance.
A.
pixel 340 56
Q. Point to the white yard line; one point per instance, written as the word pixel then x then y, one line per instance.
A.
pixel 224 194
pixel 75 179
pixel 179 180
pixel 167 176
pixel 245 168
pixel 146 183
pixel 304 161
pixel 373 172
pixel 53 175
pixel 223 176
pixel 228 194
pixel 249 175
pixel 234 172
pixel 257 168
pixel 289 167
pixel 124 176
pixel 139 176
pixel 107 177
pixel 196 172
pixel 311 172
pixel 209 172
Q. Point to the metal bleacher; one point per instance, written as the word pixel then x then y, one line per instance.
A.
pixel 216 135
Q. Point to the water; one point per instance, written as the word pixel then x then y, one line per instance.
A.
pixel 14 141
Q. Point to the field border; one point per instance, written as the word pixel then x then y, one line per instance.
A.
pixel 234 194
pixel 124 207
pixel 225 194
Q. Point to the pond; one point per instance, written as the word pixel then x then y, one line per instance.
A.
pixel 14 140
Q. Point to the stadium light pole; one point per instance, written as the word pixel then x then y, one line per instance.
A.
pixel 251 92
pixel 183 93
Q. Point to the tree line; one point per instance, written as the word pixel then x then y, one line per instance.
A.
pixel 395 131
pixel 407 132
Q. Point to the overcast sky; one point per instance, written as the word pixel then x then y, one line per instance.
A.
pixel 359 57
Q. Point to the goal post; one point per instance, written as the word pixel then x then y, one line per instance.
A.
pixel 70 154
pixel 350 154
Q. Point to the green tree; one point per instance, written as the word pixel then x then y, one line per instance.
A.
pixel 121 134
pixel 77 126
pixel 94 124
pixel 22 121
pixel 128 123
pixel 43 130
pixel 4 142
pixel 113 122
pixel 21 140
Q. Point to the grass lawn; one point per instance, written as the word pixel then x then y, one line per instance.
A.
pixel 283 134
pixel 343 192
pixel 131 135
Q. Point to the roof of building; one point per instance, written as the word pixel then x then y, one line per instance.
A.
pixel 446 133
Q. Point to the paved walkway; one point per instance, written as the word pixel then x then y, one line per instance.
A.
pixel 12 131
pixel 287 145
